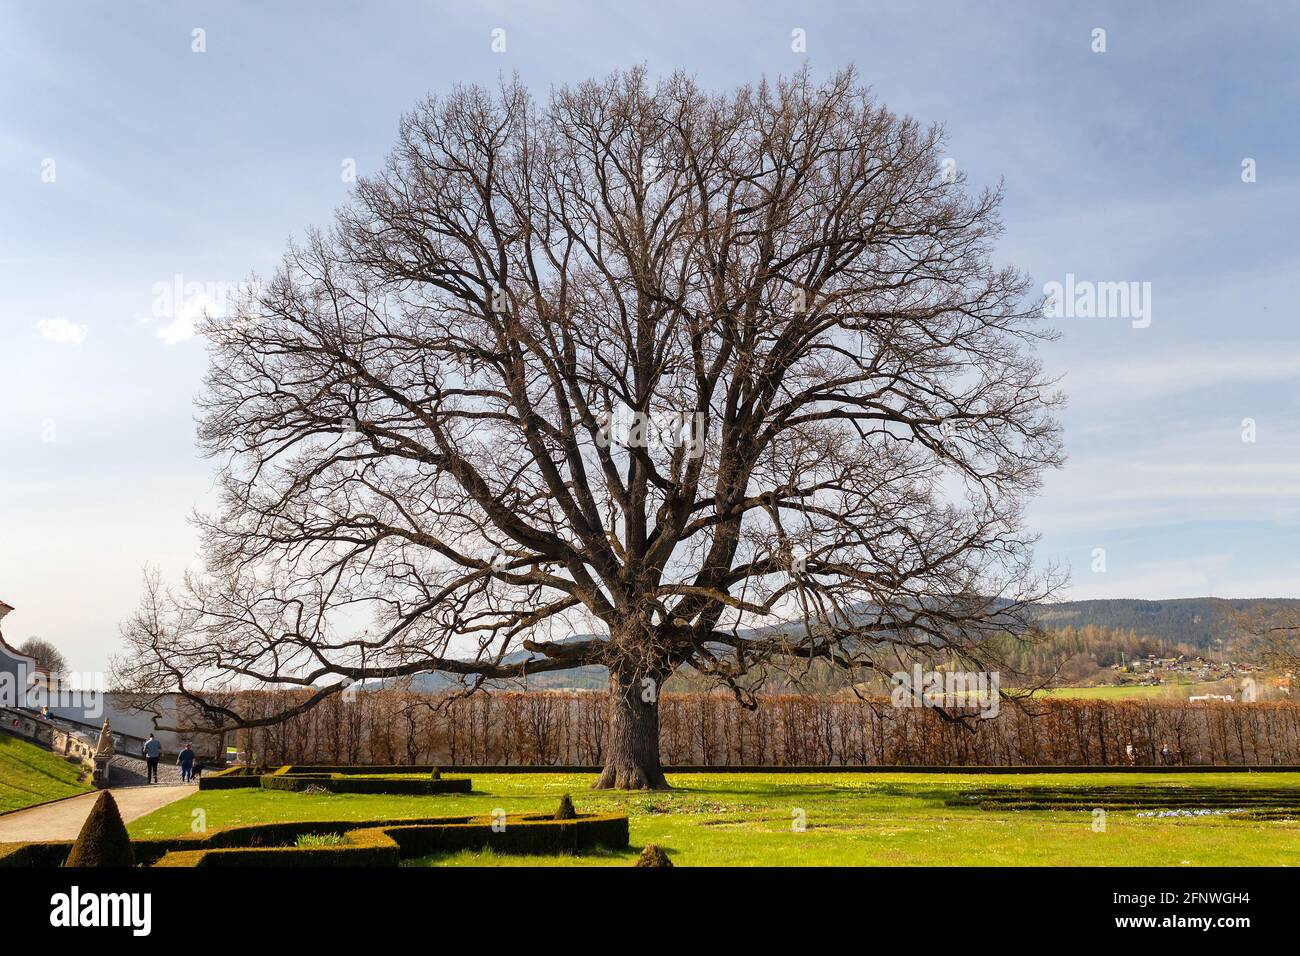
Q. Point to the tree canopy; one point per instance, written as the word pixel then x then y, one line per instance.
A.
pixel 640 376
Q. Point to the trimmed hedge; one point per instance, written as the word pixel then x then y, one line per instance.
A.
pixel 369 770
pixel 400 781
pixel 366 847
pixel 367 842
pixel 402 786
pixel 534 833
pixel 231 779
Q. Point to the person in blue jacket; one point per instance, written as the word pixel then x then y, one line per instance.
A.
pixel 186 760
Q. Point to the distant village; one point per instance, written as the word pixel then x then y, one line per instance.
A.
pixel 1155 671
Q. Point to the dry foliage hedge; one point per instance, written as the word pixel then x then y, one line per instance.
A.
pixel 560 728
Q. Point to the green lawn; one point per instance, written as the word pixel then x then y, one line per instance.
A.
pixel 1107 692
pixel 30 775
pixel 852 819
pixel 1166 691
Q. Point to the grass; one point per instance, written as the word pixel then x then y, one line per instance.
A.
pixel 320 839
pixel 851 819
pixel 30 775
pixel 1104 692
pixel 1166 691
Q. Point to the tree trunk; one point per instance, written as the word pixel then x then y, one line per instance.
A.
pixel 632 734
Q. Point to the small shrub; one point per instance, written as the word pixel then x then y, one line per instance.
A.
pixel 565 810
pixel 653 856
pixel 320 839
pixel 435 774
pixel 103 840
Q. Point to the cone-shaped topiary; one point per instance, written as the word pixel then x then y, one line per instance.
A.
pixel 565 810
pixel 435 774
pixel 653 856
pixel 102 840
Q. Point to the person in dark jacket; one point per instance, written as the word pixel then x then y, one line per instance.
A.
pixel 186 760
pixel 152 751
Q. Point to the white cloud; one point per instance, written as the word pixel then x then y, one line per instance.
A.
pixel 193 309
pixel 177 331
pixel 61 330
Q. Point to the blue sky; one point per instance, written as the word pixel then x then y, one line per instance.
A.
pixel 1124 165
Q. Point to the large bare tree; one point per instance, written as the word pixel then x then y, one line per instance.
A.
pixel 644 376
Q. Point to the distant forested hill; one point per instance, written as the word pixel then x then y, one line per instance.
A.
pixel 1197 622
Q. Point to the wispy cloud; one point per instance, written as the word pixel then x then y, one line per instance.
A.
pixel 1187 370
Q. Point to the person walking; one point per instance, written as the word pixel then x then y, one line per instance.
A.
pixel 1131 753
pixel 1165 756
pixel 152 751
pixel 186 761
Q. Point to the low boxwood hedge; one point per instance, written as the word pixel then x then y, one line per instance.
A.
pixel 366 842
pixel 231 779
pixel 371 770
pixel 525 834
pixel 407 786
pixel 365 847
pixel 399 781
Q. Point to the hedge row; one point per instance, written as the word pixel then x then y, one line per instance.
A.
pixel 222 782
pixel 558 728
pixel 525 835
pixel 395 786
pixel 368 842
pixel 385 846
pixel 386 780
pixel 372 770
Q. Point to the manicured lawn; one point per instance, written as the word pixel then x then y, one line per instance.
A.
pixel 30 775
pixel 852 819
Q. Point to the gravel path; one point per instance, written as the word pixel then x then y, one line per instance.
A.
pixel 127 771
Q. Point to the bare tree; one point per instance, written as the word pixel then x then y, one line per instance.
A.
pixel 642 377
pixel 1269 633
pixel 47 657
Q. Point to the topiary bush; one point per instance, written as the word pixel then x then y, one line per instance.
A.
pixel 653 856
pixel 565 810
pixel 435 774
pixel 102 840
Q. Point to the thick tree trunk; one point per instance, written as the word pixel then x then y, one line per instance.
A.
pixel 632 735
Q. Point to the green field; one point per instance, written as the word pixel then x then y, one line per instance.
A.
pixel 1114 692
pixel 30 775
pixel 852 819
pixel 1166 691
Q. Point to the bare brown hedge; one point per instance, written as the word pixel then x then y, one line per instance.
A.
pixel 563 728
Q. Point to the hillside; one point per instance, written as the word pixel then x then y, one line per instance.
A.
pixel 1197 622
pixel 30 775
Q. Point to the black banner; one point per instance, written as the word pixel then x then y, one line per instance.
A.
pixel 565 904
